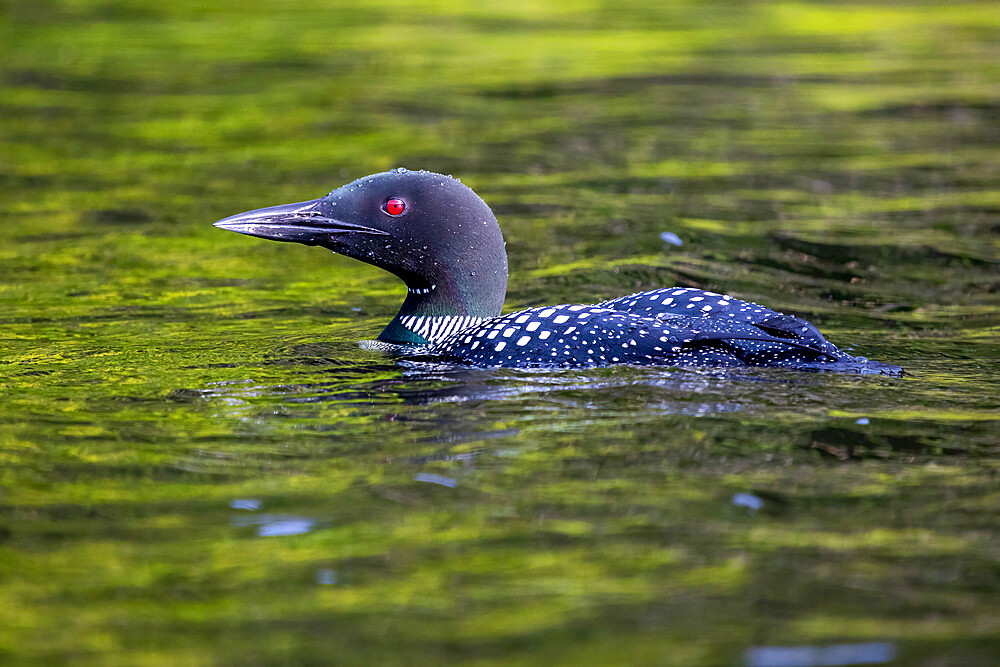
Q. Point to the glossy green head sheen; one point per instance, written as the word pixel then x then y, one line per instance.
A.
pixel 436 234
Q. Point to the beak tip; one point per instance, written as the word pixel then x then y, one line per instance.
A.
pixel 298 222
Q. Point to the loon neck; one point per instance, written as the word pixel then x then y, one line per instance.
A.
pixel 436 310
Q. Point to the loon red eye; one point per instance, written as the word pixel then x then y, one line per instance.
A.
pixel 395 206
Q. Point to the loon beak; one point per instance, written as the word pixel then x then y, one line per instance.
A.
pixel 301 222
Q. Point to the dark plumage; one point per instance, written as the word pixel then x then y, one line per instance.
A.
pixel 443 241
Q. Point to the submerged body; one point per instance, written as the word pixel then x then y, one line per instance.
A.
pixel 444 242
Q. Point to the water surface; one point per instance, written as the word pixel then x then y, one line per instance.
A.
pixel 200 466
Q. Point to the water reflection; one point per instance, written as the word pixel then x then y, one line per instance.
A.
pixel 327 577
pixel 871 653
pixel 750 501
pixel 667 391
pixel 431 478
pixel 276 525
pixel 455 406
pixel 249 504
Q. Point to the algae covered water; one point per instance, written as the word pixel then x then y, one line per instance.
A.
pixel 201 466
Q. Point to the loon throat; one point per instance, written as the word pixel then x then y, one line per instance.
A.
pixel 434 329
pixel 444 242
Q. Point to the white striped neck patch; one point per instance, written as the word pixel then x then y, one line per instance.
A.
pixel 434 329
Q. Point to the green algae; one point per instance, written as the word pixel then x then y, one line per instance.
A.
pixel 833 160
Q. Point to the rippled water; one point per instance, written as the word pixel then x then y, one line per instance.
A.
pixel 200 466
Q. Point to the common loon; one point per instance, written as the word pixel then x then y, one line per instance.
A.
pixel 444 242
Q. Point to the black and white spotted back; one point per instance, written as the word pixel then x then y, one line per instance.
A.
pixel 689 302
pixel 674 326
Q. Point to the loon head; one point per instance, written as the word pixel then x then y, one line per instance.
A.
pixel 432 231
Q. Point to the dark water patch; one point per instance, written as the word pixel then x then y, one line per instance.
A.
pixel 81 472
pixel 942 214
pixel 527 209
pixel 812 45
pixel 875 254
pixel 38 373
pixel 632 84
pixel 50 11
pixel 853 444
pixel 97 82
pixel 56 237
pixel 504 24
pixel 52 180
pixel 950 110
pixel 290 64
pixel 52 80
pixel 927 181
pixel 120 217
